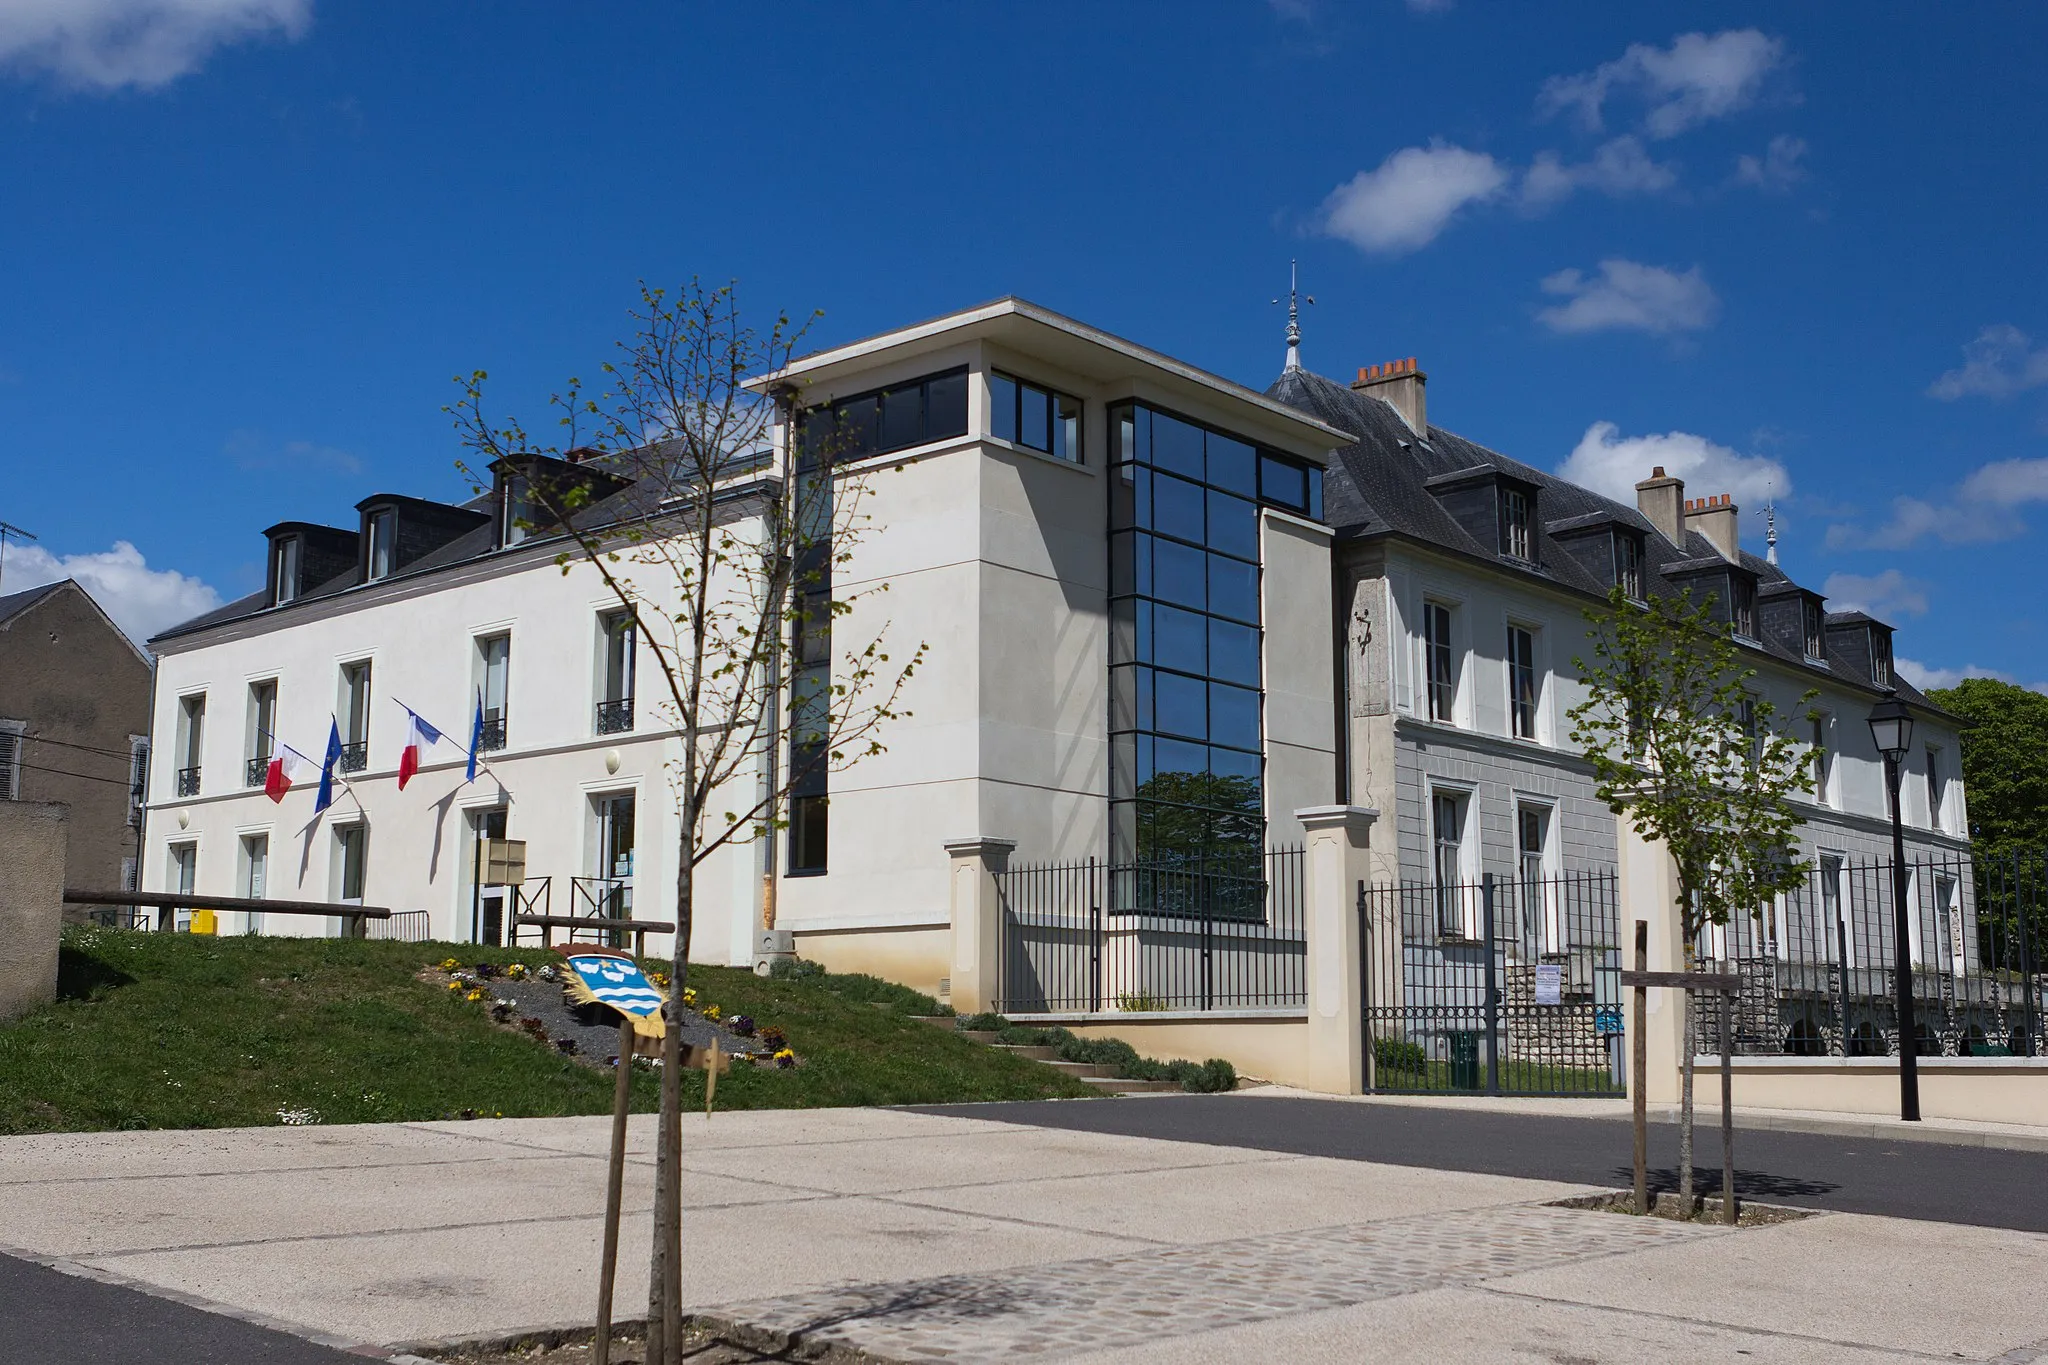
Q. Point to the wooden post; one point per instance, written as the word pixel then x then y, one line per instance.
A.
pixel 1728 1003
pixel 615 1178
pixel 1639 1063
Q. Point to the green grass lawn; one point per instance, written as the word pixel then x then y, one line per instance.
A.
pixel 158 1030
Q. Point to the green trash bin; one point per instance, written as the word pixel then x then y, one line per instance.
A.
pixel 1464 1050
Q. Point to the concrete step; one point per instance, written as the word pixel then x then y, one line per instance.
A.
pixel 1036 1054
pixel 980 1035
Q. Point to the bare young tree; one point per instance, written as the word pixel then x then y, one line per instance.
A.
pixel 720 549
pixel 1694 759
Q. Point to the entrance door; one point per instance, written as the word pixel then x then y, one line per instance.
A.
pixel 489 905
pixel 615 854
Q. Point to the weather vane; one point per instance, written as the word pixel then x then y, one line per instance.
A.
pixel 1294 301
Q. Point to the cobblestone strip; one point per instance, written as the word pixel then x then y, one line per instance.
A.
pixel 1049 1311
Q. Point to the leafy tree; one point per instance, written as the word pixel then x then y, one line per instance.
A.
pixel 2005 772
pixel 2005 762
pixel 666 484
pixel 1693 759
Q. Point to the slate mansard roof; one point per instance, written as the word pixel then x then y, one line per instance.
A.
pixel 1379 486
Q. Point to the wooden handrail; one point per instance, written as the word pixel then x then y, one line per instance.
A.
pixel 648 926
pixel 186 900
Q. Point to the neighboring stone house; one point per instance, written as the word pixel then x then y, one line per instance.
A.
pixel 74 727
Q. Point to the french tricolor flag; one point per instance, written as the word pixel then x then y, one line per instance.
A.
pixel 418 735
pixel 287 765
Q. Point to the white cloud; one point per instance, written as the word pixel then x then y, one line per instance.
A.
pixel 1889 595
pixel 2001 362
pixel 1924 676
pixel 1620 168
pixel 1630 296
pixel 1778 169
pixel 1699 77
pixel 1610 463
pixel 1984 507
pixel 141 600
pixel 1411 197
pixel 110 44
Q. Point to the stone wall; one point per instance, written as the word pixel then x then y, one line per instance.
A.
pixel 32 848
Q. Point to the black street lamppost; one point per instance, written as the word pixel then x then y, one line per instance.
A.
pixel 1891 726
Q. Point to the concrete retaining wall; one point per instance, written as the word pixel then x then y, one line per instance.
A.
pixel 1975 1089
pixel 32 851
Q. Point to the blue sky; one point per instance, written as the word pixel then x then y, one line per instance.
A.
pixel 248 242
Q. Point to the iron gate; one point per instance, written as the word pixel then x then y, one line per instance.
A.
pixel 1501 986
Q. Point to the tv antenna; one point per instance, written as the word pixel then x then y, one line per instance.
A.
pixel 9 529
pixel 1294 301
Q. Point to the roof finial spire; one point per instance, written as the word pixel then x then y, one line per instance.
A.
pixel 1294 301
pixel 1770 528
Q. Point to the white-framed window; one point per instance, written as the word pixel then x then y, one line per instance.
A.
pixel 262 730
pixel 1822 759
pixel 494 685
pixel 1517 534
pixel 184 878
pixel 1880 656
pixel 1440 662
pixel 1525 684
pixel 13 734
pixel 284 559
pixel 1628 564
pixel 351 862
pixel 1948 912
pixel 1539 908
pixel 1742 605
pixel 1450 849
pixel 191 743
pixel 614 817
pixel 617 646
pixel 353 711
pixel 378 558
pixel 1813 629
pixel 1834 907
pixel 1937 789
pixel 254 877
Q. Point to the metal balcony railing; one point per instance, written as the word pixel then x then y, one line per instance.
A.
pixel 187 782
pixel 354 757
pixel 256 772
pixel 615 717
pixel 491 737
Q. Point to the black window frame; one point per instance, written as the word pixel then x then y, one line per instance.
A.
pixel 844 450
pixel 1022 390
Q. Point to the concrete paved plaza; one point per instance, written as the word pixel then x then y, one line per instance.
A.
pixel 940 1237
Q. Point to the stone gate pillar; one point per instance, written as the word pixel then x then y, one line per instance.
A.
pixel 1334 867
pixel 977 919
pixel 1649 891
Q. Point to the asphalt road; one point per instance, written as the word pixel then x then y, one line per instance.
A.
pixel 1945 1182
pixel 50 1318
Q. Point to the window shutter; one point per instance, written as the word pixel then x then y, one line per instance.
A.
pixel 10 764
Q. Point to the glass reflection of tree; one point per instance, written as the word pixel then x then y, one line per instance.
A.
pixel 1201 839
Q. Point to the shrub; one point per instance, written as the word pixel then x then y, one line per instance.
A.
pixel 1395 1054
pixel 985 1023
pixel 1140 1002
pixel 795 969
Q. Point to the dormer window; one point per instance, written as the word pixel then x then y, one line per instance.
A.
pixel 1517 531
pixel 1880 656
pixel 1742 605
pixel 377 557
pixel 284 571
pixel 1628 564
pixel 519 509
pixel 1814 630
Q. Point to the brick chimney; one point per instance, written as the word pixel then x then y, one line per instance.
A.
pixel 1715 519
pixel 1661 498
pixel 1400 383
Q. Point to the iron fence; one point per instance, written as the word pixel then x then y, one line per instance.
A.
pixel 1818 966
pixel 1501 985
pixel 1186 934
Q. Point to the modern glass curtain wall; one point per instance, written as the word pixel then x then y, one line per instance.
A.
pixel 1187 780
